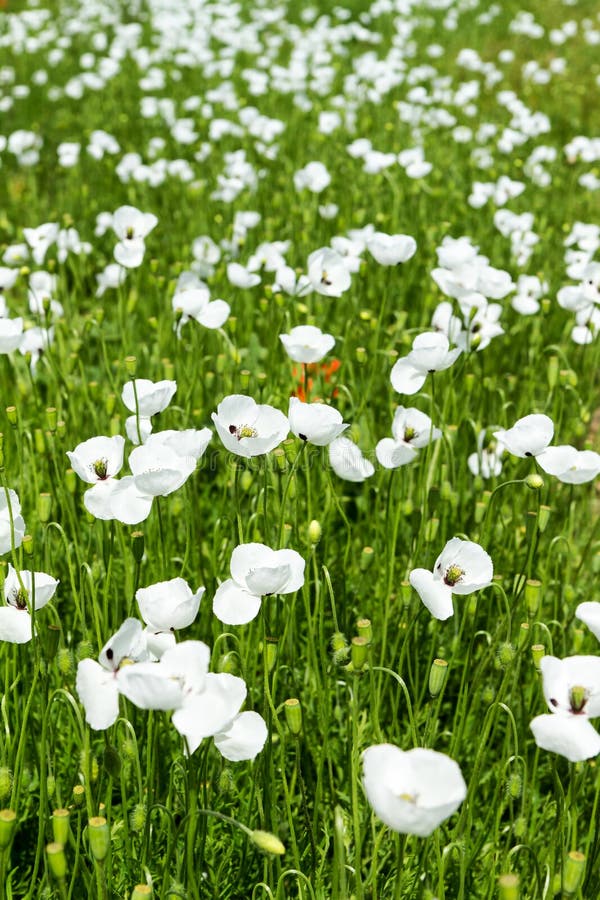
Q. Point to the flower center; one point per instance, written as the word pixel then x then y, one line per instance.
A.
pixel 453 575
pixel 409 798
pixel 578 697
pixel 325 278
pixel 409 434
pixel 243 431
pixel 100 468
pixel 19 598
pixel 129 234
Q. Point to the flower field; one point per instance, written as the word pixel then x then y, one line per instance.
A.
pixel 299 519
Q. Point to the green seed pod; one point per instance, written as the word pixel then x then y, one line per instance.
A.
pixel 78 795
pixel 137 545
pixel 366 558
pixel 60 826
pixel 538 651
pixel 508 887
pixel 359 652
pixel 365 629
pixel 142 892
pixel 573 873
pixel 533 590
pixel 57 861
pixel 8 821
pixel 99 837
pixel 437 676
pixel 293 715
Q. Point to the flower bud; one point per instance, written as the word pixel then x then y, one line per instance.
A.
pixel 293 715
pixel 314 532
pixel 137 545
pixel 534 481
pixel 137 819
pixel 8 821
pixel 84 650
pixel 508 887
pixel 51 785
pixel 99 837
pixel 543 516
pixel 538 651
pixel 552 371
pixel 533 589
pixel 267 842
pixel 573 873
pixel 71 481
pixel 437 676
pixel 57 861
pixel 246 480
pixel 60 826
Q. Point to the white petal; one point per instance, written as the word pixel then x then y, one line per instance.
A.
pixel 98 692
pixel 436 595
pixel 15 625
pixel 405 378
pixel 572 736
pixel 232 605
pixel 244 739
pixel 589 613
pixel 128 504
pixel 149 686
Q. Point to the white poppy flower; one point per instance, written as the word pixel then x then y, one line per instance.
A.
pixel 430 353
pixel 196 304
pixel 168 605
pixel 289 282
pixel 240 277
pixel 486 461
pixel 589 613
pixel 412 430
pixel 313 177
pixel 158 470
pixel 122 500
pixel 529 436
pixel 391 249
pixel 256 571
pixel 347 461
pixel 152 397
pixel 7 278
pixel 10 537
pixel 110 278
pixel 316 423
pixel 328 272
pixel 191 442
pixel 15 619
pixel 412 792
pixel 572 691
pixel 98 458
pixel 97 683
pixel 247 428
pixel 209 711
pixel 307 344
pixel 570 465
pixel 461 568
pixel 131 227
pixel 40 239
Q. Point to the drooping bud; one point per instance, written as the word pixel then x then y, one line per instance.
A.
pixel 534 481
pixel 267 842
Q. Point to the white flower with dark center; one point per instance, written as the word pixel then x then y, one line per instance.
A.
pixel 486 461
pixel 158 470
pixel 347 461
pixel 430 353
pixel 307 343
pixel 21 592
pixel 152 397
pixel 328 273
pixel 412 430
pixel 256 571
pixel 98 458
pixel 412 791
pixel 461 568
pixel 247 428
pixel 196 304
pixel 167 607
pixel 288 281
pixel 572 692
pixel 110 278
pixel 316 423
pixel 239 276
pixel 131 227
pixel 391 249
pixel 529 436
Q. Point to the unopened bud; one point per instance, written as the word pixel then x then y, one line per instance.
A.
pixel 99 837
pixel 293 715
pixel 267 842
pixel 573 872
pixel 437 676
pixel 246 480
pixel 534 481
pixel 314 532
pixel 137 545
